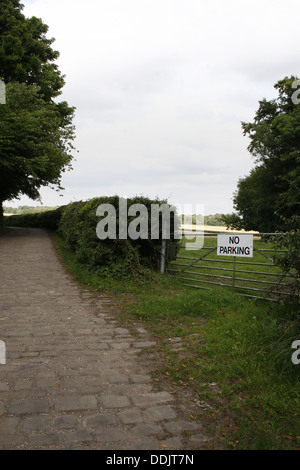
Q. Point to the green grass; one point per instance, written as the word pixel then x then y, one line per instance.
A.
pixel 235 355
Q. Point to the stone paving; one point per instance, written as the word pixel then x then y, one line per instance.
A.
pixel 74 377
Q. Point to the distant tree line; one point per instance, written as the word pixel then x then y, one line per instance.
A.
pixel 26 209
pixel 211 219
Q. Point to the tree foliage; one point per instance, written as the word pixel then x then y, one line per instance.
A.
pixel 34 142
pixel 36 130
pixel 287 257
pixel 26 55
pixel 268 198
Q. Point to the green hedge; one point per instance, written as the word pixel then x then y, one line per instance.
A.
pixel 117 258
pixel 48 219
pixel 76 224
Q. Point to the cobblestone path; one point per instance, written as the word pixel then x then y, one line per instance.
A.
pixel 73 377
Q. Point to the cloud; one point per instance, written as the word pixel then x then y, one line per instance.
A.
pixel 161 88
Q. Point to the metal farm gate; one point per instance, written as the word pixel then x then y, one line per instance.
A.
pixel 257 276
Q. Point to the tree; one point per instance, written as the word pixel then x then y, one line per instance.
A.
pixel 269 197
pixel 26 55
pixel 34 146
pixel 254 200
pixel 36 130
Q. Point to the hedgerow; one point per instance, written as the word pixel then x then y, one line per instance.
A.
pixel 76 224
pixel 113 257
pixel 48 219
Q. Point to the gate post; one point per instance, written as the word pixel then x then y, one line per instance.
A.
pixel 163 257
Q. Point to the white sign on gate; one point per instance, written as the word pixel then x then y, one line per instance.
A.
pixel 235 245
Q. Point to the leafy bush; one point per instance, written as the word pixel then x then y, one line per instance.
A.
pixel 114 257
pixel 289 261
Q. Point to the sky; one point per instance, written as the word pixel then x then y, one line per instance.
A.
pixel 161 88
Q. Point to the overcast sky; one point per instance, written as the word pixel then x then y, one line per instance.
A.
pixel 161 88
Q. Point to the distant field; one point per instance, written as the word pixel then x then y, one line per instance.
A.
pixel 212 228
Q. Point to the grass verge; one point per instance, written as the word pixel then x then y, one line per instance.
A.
pixel 233 354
